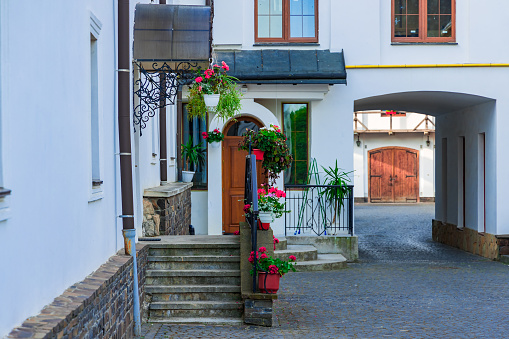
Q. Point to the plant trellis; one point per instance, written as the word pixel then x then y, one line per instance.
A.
pixel 158 87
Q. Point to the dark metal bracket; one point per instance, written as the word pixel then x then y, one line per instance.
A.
pixel 158 86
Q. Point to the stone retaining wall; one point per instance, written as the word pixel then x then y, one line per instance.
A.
pixel 101 306
pixel 167 215
pixel 483 244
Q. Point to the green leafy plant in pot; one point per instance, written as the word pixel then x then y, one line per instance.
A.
pixel 191 154
pixel 338 189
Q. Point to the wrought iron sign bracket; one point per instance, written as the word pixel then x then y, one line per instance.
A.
pixel 157 87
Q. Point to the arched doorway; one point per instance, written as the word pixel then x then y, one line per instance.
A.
pixel 393 174
pixel 233 171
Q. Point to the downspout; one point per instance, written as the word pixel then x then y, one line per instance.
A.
pixel 124 136
pixel 163 152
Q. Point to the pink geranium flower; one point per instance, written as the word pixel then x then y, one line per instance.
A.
pixel 264 256
pixel 246 208
pixel 225 66
pixel 205 135
pixel 273 269
pixel 292 258
pixel 198 79
pixel 262 249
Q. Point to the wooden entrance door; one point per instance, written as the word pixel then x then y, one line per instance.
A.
pixel 234 168
pixel 393 175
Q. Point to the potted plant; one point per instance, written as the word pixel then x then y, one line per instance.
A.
pixel 194 154
pixel 337 190
pixel 270 206
pixel 272 142
pixel 270 270
pixel 214 137
pixel 216 91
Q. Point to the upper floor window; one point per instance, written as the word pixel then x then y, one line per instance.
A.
pixel 423 20
pixel 286 20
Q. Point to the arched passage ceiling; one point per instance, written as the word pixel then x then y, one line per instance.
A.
pixel 428 102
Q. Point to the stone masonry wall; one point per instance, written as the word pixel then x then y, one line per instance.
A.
pixel 101 306
pixel 486 245
pixel 167 216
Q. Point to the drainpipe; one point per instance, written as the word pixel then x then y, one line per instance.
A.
pixel 124 136
pixel 163 152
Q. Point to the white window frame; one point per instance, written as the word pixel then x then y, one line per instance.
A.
pixel 96 191
pixel 5 211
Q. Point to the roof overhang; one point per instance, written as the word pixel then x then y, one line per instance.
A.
pixel 171 33
pixel 285 66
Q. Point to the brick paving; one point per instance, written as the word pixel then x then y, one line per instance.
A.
pixel 404 286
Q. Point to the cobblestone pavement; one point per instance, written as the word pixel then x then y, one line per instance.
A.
pixel 405 286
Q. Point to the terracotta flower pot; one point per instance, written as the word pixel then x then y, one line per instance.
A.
pixel 268 283
pixel 258 153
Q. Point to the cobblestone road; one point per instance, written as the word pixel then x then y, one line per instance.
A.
pixel 405 286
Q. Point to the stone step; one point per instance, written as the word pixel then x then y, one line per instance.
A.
pixel 302 252
pixel 194 249
pixel 283 243
pixel 194 293
pixel 185 309
pixel 197 262
pixel 193 277
pixel 324 262
pixel 198 320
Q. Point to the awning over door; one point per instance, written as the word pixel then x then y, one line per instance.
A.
pixel 285 66
pixel 171 33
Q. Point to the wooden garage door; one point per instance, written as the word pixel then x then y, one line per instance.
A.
pixel 393 175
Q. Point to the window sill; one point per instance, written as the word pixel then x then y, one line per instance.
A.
pixel 5 211
pixel 424 43
pixel 96 194
pixel 276 44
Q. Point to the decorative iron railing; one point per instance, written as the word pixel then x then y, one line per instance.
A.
pixel 313 211
pixel 251 198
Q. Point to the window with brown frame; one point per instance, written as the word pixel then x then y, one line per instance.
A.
pixel 295 126
pixel 423 20
pixel 286 21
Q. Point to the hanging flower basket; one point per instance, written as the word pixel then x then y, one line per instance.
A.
pixel 266 217
pixel 223 87
pixel 215 144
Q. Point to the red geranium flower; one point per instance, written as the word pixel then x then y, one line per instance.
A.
pixel 292 258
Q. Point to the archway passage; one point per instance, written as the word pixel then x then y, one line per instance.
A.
pixel 393 175
pixel 234 168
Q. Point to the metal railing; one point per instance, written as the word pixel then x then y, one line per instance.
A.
pixel 251 198
pixel 313 213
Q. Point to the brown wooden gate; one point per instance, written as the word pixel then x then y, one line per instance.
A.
pixel 393 175
pixel 234 168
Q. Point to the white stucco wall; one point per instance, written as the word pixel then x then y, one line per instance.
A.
pixel 56 231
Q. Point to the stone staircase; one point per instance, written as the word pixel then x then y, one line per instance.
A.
pixel 194 283
pixel 308 258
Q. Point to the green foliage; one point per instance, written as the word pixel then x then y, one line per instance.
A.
pixel 272 141
pixel 196 105
pixel 194 154
pixel 336 195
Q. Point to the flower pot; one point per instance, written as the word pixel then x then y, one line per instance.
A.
pixel 187 176
pixel 211 100
pixel 258 153
pixel 263 226
pixel 268 283
pixel 266 217
pixel 215 144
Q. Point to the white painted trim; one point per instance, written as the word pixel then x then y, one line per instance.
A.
pixel 95 25
pixel 97 194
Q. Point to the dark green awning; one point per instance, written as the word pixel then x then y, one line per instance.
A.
pixel 285 66
pixel 171 33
